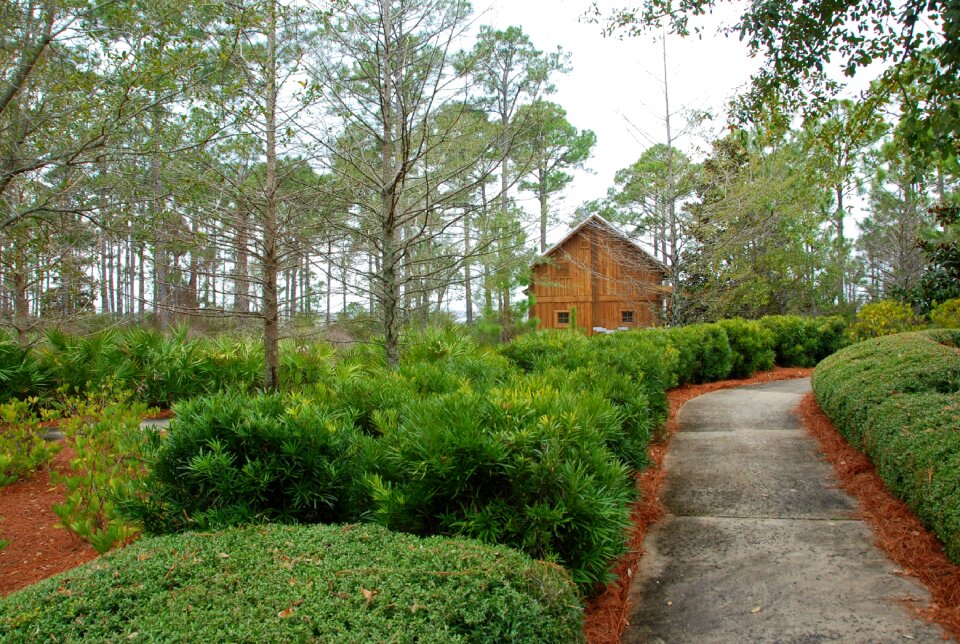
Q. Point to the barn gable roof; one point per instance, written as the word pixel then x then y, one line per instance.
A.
pixel 603 224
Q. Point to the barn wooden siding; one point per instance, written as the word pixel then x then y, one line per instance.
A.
pixel 596 276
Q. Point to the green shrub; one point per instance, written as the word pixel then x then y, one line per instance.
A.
pixel 884 318
pixel 897 398
pixel 236 362
pixel 643 360
pixel 544 349
pixel 797 340
pixel 369 397
pixel 21 376
pixel 947 315
pixel 914 441
pixel 231 459
pixel 852 382
pixel 703 353
pixel 22 447
pixel 104 430
pixel 752 346
pixel 300 583
pixel 79 364
pixel 526 466
pixel 834 334
pixel 303 363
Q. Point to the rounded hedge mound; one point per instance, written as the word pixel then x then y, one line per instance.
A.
pixel 897 399
pixel 350 583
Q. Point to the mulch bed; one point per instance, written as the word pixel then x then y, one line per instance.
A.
pixel 37 549
pixel 607 615
pixel 898 532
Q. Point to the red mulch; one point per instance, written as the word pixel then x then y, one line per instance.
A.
pixel 898 532
pixel 37 549
pixel 607 615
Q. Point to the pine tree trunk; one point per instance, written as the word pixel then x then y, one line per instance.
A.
pixel 271 329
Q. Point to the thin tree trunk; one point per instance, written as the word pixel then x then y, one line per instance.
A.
pixel 241 280
pixel 104 298
pixel 21 307
pixel 142 280
pixel 390 287
pixel 271 330
pixel 671 223
pixel 329 276
pixel 467 282
pixel 542 197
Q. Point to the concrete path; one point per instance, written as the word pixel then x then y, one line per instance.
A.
pixel 758 544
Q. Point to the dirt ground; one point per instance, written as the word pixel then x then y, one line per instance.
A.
pixel 37 548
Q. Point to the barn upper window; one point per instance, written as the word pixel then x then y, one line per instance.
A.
pixel 563 318
pixel 563 269
pixel 626 317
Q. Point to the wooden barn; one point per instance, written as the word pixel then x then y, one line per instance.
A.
pixel 598 279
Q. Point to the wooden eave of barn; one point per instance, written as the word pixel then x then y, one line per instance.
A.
pixel 598 278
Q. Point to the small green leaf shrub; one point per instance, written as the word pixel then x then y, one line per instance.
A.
pixel 751 344
pixel 22 446
pixel 231 458
pixel 350 583
pixel 804 341
pixel 704 353
pixel 947 315
pixel 104 431
pixel 884 318
pixel 897 399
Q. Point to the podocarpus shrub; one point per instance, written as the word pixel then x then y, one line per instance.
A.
pixel 802 341
pixel 897 398
pixel 232 459
pixel 704 353
pixel 351 583
pixel 644 357
pixel 751 344
pixel 527 466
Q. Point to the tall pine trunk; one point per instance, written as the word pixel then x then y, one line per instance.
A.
pixel 271 322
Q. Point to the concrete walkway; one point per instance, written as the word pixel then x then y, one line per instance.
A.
pixel 758 544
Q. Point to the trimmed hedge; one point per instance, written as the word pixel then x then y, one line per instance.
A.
pixel 704 353
pixel 751 344
pixel 352 583
pixel 802 341
pixel 897 399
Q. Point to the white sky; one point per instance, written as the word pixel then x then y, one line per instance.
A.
pixel 615 87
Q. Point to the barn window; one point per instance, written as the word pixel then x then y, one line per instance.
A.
pixel 563 270
pixel 626 317
pixel 563 318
